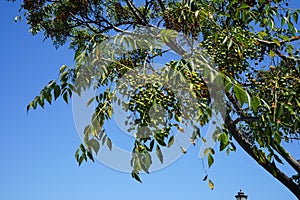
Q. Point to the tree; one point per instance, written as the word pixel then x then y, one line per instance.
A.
pixel 251 42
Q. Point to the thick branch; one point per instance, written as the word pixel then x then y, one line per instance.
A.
pixel 245 119
pixel 287 157
pixel 268 166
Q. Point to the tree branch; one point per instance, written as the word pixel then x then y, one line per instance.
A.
pixel 268 166
pixel 290 138
pixel 286 156
pixel 281 42
pixel 136 13
pixel 161 5
pixel 114 26
pixel 247 119
pixel 284 57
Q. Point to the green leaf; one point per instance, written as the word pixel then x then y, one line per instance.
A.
pixel 136 176
pixel 241 95
pixel 209 150
pixel 80 160
pixel 56 91
pixel 146 161
pixel 90 155
pixel 62 68
pixel 272 53
pixel 41 101
pixel 277 42
pixel 210 160
pixel 29 106
pixel 171 141
pixel 223 141
pixel 144 167
pixel 290 26
pixel 109 112
pixel 284 37
pixel 94 144
pixel 109 143
pixel 227 84
pixel 66 97
pixel 255 104
pixel 262 34
pixel 159 154
pixel 295 17
pixel 77 154
pixel 48 96
pixel 244 6
pixel 90 101
pixel 82 148
pixel 151 145
pixel 86 135
pixel 283 21
pixel 104 139
pixel 177 118
pixel 137 164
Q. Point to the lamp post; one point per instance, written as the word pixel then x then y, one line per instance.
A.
pixel 241 196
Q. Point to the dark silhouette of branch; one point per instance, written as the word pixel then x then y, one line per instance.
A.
pixel 136 13
pixel 267 165
pixel 161 5
pixel 245 119
pixel 286 156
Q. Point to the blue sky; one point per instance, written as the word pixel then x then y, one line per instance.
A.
pixel 37 149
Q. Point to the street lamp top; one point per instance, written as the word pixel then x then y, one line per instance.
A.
pixel 241 196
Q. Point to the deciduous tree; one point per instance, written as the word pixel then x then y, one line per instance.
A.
pixel 252 44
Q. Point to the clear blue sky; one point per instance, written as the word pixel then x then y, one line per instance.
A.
pixel 37 149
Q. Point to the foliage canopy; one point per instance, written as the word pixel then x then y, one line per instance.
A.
pixel 252 43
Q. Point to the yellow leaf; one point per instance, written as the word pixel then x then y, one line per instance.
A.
pixel 211 184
